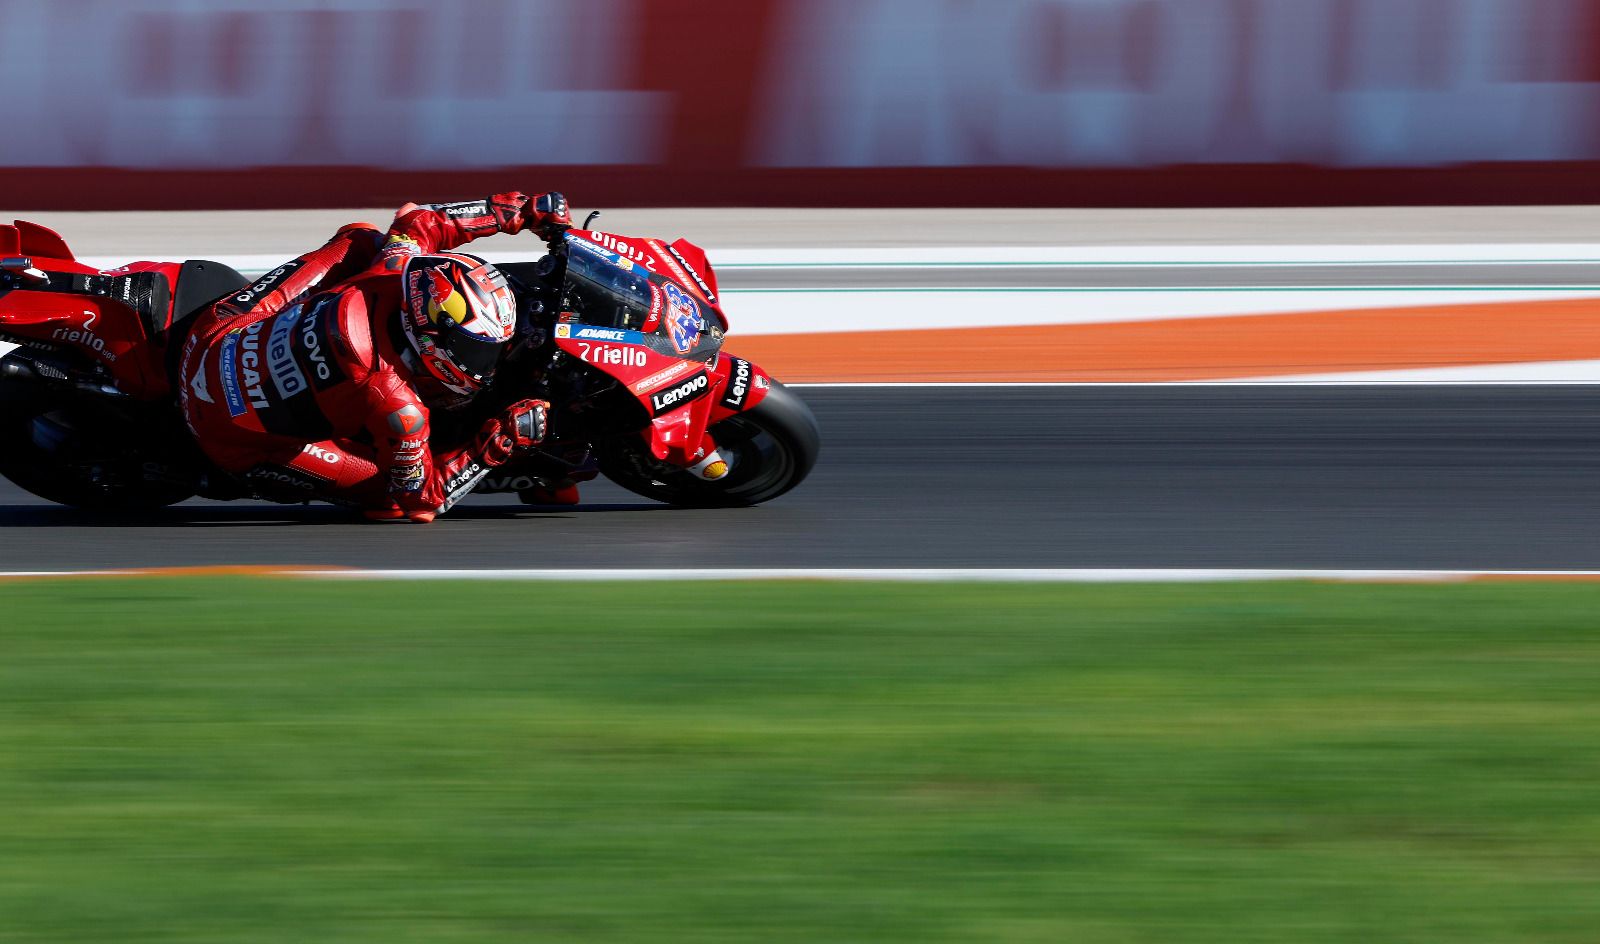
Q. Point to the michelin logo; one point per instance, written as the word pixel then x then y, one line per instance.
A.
pixel 229 371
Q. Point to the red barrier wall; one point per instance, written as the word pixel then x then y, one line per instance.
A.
pixel 802 102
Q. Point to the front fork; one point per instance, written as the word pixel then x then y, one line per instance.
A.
pixel 712 465
pixel 737 385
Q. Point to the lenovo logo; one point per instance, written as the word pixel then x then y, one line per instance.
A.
pixel 665 401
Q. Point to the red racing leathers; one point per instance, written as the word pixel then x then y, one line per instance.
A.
pixel 299 385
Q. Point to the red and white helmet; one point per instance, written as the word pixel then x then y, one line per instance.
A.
pixel 458 313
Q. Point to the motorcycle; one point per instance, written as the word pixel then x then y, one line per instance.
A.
pixel 623 336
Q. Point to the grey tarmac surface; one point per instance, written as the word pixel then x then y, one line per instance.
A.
pixel 1404 476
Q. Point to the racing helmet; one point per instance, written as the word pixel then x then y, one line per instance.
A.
pixel 458 313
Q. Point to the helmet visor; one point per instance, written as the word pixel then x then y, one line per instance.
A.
pixel 474 355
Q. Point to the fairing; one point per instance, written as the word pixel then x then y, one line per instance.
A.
pixel 99 326
pixel 632 309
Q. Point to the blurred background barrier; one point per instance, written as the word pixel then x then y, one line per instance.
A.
pixel 130 104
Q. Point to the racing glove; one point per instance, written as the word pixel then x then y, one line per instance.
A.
pixel 547 215
pixel 519 428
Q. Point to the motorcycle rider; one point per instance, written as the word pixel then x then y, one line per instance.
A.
pixel 318 380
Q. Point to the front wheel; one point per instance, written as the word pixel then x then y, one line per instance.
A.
pixel 770 449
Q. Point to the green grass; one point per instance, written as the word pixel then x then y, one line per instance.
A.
pixel 253 761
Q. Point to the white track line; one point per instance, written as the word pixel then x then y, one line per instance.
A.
pixel 936 575
pixel 890 574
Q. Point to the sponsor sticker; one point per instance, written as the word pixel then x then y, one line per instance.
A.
pixel 698 281
pixel 612 355
pixel 652 321
pixel 463 477
pixel 315 336
pixel 475 208
pixel 397 249
pixel 407 420
pixel 673 397
pixel 563 331
pixel 623 251
pixel 671 373
pixel 323 455
pixel 197 384
pixel 286 374
pixel 274 479
pixel 407 478
pixel 739 384
pixel 260 287
pixel 229 371
pixel 86 337
pixel 617 335
pixel 250 365
pixel 673 269
pixel 682 317
pixel 591 249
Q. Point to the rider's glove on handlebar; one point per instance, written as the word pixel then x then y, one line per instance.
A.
pixel 519 428
pixel 548 215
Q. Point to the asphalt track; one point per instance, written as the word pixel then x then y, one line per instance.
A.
pixel 1385 477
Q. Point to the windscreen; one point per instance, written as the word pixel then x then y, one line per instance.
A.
pixel 603 289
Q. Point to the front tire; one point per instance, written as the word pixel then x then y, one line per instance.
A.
pixel 770 448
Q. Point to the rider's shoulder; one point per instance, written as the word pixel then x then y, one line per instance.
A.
pixel 352 332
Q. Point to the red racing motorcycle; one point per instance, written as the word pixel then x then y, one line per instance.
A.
pixel 622 335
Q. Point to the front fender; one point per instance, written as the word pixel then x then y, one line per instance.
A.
pixel 733 385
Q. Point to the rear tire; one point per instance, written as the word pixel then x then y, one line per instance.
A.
pixel 770 448
pixel 62 474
